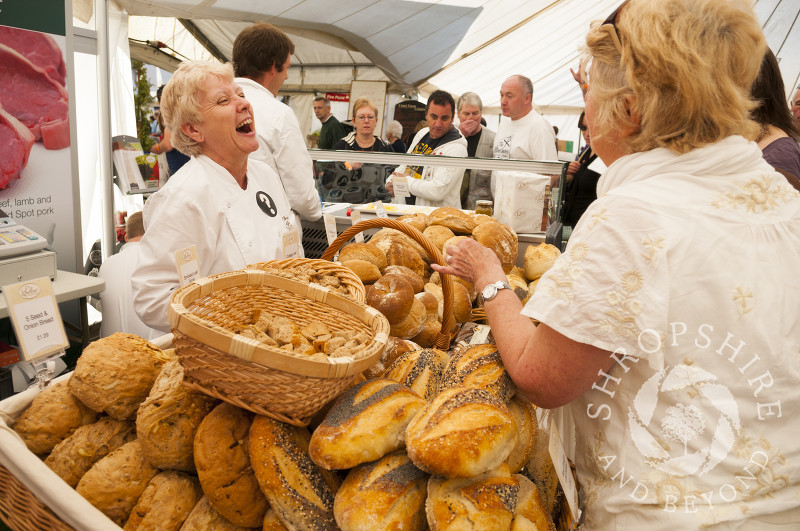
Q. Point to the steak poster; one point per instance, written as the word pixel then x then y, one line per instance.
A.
pixel 36 181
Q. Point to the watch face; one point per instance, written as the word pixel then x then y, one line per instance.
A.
pixel 489 291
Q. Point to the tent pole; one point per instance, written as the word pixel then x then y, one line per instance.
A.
pixel 105 171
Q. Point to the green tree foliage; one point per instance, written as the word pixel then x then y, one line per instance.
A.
pixel 141 100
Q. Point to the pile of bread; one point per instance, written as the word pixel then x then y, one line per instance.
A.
pixel 436 441
pixel 395 268
pixel 305 272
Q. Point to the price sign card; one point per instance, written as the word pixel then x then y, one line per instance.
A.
pixel 400 184
pixel 355 217
pixel 563 470
pixel 291 244
pixel 380 210
pixel 35 318
pixel 188 265
pixel 330 227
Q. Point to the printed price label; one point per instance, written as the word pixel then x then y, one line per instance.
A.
pixel 188 265
pixel 400 184
pixel 330 227
pixel 480 335
pixel 563 470
pixel 355 217
pixel 35 318
pixel 380 210
pixel 291 244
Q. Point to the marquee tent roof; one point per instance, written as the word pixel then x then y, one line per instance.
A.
pixel 418 46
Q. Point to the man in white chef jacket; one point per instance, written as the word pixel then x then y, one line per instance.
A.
pixel 261 56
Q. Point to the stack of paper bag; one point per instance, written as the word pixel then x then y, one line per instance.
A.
pixel 519 200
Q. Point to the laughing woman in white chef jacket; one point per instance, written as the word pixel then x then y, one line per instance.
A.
pixel 231 208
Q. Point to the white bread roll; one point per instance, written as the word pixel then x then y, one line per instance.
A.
pixel 463 432
pixel 365 423
pixel 388 493
pixel 420 370
pixel 300 492
pixel 482 367
pixel 539 259
pixel 484 502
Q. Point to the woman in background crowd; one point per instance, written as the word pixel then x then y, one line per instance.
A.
pixel 393 133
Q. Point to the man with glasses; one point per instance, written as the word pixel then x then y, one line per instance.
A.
pixel 428 185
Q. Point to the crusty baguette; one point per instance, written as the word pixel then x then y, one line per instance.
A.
pixel 527 428
pixel 420 370
pixel 530 513
pixel 482 367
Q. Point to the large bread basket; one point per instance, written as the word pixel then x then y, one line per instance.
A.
pixel 349 280
pixel 287 386
pixel 448 320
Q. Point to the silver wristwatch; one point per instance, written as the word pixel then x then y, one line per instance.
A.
pixel 490 291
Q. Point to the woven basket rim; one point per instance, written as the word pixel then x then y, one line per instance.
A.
pixel 345 275
pixel 224 340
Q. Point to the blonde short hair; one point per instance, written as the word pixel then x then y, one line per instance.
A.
pixel 685 70
pixel 364 102
pixel 180 101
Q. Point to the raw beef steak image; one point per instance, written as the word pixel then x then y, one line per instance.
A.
pixel 39 48
pixel 33 98
pixel 16 142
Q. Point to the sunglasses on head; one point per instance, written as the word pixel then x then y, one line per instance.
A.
pixel 610 25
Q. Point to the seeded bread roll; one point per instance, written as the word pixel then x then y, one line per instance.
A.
pixel 411 277
pixel 364 251
pixel 221 453
pixel 367 272
pixel 524 415
pixel 204 518
pixel 115 483
pixel 476 503
pixel 463 432
pixel 386 494
pixel 413 322
pixel 114 374
pixel 482 367
pixel 76 454
pixel 438 234
pixel 452 218
pixel 167 421
pixel 364 424
pixel 530 514
pixel 166 503
pixel 300 492
pixel 53 416
pixel 420 371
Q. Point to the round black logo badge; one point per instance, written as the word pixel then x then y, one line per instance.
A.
pixel 266 203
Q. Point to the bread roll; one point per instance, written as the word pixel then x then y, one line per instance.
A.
pixel 452 241
pixel 430 331
pixel 391 295
pixel 76 454
pixel 114 374
pixel 416 281
pixel 539 259
pixel 367 272
pixel 530 514
pixel 166 503
pixel 435 278
pixel 412 324
pixel 519 271
pixel 115 483
pixel 542 471
pixel 167 421
pixel 272 522
pixel 300 492
pixel 454 219
pixel 475 503
pixel 463 432
pixel 384 238
pixel 53 416
pixel 480 219
pixel 395 348
pixel 420 370
pixel 434 290
pixel 438 234
pixel 527 427
pixel 221 453
pixel 388 493
pixel 430 302
pixel 482 367
pixel 363 251
pixel 419 220
pixel 520 288
pixel 462 304
pixel 204 518
pixel 501 239
pixel 403 255
pixel 364 424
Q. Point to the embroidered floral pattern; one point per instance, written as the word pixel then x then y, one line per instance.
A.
pixel 741 297
pixel 652 245
pixel 625 307
pixel 757 196
pixel 567 271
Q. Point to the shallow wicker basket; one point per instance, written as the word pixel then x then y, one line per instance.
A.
pixel 348 279
pixel 23 511
pixel 268 381
pixel 448 320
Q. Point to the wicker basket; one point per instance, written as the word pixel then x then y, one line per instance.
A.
pixel 246 373
pixel 21 510
pixel 348 279
pixel 448 321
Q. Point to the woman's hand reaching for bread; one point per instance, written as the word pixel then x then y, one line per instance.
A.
pixel 472 262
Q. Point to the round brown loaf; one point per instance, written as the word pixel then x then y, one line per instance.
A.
pixel 411 277
pixel 525 416
pixel 367 272
pixel 391 295
pixel 364 424
pixel 462 303
pixel 539 259
pixel 166 502
pixel 221 453
pixel 363 251
pixel 463 432
pixel 452 218
pixel 452 241
pixel 388 493
pixel 205 518
pixel 430 331
pixel 501 240
pixel 384 238
pixel 420 370
pixel 300 492
pixel 413 323
pixel 479 366
pixel 480 219
pixel 167 421
pixel 402 255
pixel 53 416
pixel 438 234
pixel 430 302
pixel 418 220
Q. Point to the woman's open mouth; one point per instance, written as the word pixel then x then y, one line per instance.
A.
pixel 245 127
